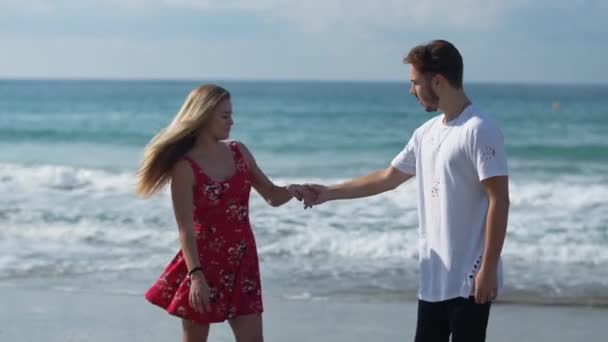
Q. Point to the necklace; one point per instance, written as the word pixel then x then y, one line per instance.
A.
pixel 451 125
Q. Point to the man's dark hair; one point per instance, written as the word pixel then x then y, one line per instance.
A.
pixel 438 57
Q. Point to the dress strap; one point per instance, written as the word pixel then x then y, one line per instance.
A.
pixel 236 151
pixel 239 160
pixel 198 171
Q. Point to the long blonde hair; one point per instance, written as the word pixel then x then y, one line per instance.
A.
pixel 173 142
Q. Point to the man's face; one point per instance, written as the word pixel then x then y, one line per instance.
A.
pixel 423 91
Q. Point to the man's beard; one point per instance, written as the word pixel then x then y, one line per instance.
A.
pixel 430 109
pixel 432 98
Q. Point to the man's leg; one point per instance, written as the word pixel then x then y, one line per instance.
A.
pixel 468 320
pixel 433 324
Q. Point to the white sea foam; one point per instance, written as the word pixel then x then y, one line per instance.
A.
pixel 58 220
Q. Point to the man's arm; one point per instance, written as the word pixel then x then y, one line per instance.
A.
pixel 497 189
pixel 372 184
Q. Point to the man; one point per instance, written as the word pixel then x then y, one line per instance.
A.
pixel 460 165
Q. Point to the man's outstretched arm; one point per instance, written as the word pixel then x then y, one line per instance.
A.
pixel 371 184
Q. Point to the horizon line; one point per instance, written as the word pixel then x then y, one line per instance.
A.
pixel 278 80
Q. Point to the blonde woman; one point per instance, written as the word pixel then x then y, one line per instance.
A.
pixel 215 277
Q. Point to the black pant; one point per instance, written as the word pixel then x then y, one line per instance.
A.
pixel 461 317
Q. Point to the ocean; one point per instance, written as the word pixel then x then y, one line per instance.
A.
pixel 70 220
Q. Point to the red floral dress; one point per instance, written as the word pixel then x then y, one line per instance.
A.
pixel 226 248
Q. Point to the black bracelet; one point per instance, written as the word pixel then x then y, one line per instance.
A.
pixel 197 268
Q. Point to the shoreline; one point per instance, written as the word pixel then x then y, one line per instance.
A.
pixel 31 314
pixel 378 297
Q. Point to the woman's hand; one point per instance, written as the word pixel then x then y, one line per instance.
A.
pixel 200 296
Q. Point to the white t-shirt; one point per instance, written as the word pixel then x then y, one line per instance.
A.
pixel 449 161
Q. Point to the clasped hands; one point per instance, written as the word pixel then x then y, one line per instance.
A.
pixel 310 194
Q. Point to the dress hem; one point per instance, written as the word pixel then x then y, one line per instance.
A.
pixel 200 321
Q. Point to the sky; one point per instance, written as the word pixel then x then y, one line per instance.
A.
pixel 527 41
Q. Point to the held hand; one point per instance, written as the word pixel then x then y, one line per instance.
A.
pixel 320 194
pixel 486 286
pixel 298 191
pixel 199 293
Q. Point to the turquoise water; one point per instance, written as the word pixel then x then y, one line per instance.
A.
pixel 70 148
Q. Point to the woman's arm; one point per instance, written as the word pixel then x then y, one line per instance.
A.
pixel 182 182
pixel 272 194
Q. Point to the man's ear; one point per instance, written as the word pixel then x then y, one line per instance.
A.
pixel 439 80
pixel 440 83
pixel 435 82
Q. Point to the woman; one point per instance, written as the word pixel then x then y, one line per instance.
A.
pixel 215 277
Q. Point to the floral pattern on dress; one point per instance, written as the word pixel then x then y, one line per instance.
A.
pixel 214 191
pixel 237 212
pixel 237 252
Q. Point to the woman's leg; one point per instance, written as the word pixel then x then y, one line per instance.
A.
pixel 194 332
pixel 247 328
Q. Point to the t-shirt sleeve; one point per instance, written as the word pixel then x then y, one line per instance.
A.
pixel 405 161
pixel 487 151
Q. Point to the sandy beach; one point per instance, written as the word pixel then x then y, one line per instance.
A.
pixel 33 314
